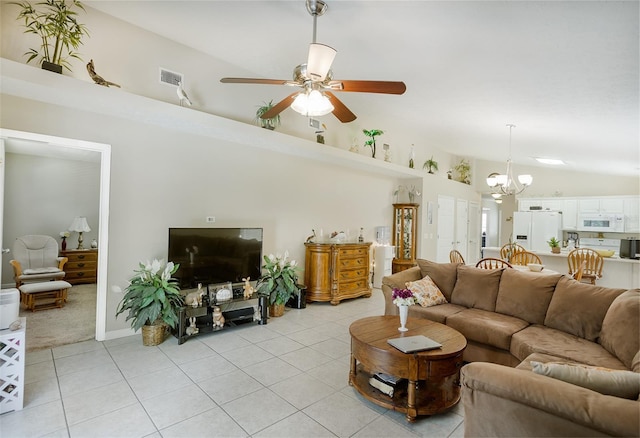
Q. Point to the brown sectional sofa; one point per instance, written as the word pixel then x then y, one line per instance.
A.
pixel 511 318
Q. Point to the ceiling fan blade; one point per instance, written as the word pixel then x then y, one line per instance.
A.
pixel 319 61
pixel 340 110
pixel 254 81
pixel 279 107
pixel 386 87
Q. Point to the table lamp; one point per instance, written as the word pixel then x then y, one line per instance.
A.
pixel 79 225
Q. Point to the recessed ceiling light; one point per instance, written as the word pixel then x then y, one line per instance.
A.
pixel 552 161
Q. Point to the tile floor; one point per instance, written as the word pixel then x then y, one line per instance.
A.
pixel 284 379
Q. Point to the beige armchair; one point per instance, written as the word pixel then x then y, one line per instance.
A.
pixel 36 260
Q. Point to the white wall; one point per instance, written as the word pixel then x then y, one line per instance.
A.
pixel 43 196
pixel 161 179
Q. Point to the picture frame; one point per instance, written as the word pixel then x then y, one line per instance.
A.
pixel 219 292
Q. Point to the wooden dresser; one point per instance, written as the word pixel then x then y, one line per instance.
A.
pixel 337 271
pixel 82 266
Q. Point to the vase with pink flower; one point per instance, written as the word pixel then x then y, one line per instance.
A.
pixel 403 298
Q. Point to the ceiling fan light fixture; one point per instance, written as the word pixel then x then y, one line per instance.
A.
pixel 313 104
pixel 319 62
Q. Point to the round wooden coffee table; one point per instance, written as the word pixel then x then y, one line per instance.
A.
pixel 432 377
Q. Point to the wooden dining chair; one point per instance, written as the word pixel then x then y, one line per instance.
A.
pixel 588 262
pixel 456 257
pixel 523 258
pixel 492 263
pixel 508 249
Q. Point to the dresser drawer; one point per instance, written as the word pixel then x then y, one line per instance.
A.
pixel 353 252
pixel 346 287
pixel 348 263
pixel 89 256
pixel 353 274
pixel 80 266
pixel 74 276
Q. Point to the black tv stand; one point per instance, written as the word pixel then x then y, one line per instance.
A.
pixel 236 311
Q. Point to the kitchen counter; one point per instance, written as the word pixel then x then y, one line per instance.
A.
pixel 616 272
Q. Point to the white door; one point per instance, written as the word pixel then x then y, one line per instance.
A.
pixel 446 221
pixel 475 233
pixel 462 227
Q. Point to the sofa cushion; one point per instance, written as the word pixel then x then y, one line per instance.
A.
pixel 442 274
pixel 476 288
pixel 541 339
pixel 486 327
pixel 579 308
pixel 438 313
pixel 619 383
pixel 620 334
pixel 526 295
pixel 426 292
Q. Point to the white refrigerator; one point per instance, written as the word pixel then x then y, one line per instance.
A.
pixel 532 229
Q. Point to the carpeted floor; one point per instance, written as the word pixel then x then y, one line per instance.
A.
pixel 75 322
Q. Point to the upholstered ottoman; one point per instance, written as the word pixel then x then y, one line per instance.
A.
pixel 50 294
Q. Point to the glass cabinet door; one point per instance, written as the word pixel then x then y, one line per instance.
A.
pixel 404 235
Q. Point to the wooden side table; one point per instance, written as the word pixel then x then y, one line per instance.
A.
pixel 82 266
pixel 432 377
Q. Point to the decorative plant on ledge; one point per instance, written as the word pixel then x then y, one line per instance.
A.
pixel 430 164
pixel 373 133
pixel 59 31
pixel 463 171
pixel 267 123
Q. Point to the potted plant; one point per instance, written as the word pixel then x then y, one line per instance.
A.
pixel 555 245
pixel 267 123
pixel 152 299
pixel 430 164
pixel 60 33
pixel 279 282
pixel 373 133
pixel 463 170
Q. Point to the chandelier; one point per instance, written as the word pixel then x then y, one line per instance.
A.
pixel 506 184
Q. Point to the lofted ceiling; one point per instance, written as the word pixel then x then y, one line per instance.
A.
pixel 564 72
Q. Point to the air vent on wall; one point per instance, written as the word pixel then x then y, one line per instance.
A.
pixel 170 77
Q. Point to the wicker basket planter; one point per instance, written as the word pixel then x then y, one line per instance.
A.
pixel 154 334
pixel 276 310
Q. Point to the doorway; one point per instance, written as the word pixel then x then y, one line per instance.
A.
pixel 50 146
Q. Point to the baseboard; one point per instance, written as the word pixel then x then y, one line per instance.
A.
pixel 115 334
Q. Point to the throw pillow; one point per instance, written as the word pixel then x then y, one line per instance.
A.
pixel 426 292
pixel 619 383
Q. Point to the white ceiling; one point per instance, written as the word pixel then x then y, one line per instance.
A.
pixel 564 72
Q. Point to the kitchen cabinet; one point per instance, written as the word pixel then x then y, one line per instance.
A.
pixel 632 215
pixel 601 205
pixel 570 214
pixel 549 204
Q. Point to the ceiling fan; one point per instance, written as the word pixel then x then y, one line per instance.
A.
pixel 316 80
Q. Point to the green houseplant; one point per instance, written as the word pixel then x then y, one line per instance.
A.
pixel 152 299
pixel 430 164
pixel 279 282
pixel 463 171
pixel 267 123
pixel 55 23
pixel 554 244
pixel 373 133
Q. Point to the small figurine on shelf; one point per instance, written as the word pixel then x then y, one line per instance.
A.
pixel 412 156
pixel 192 329
pixel 310 238
pixel 218 318
pixel 194 299
pixel 248 289
pixel 387 152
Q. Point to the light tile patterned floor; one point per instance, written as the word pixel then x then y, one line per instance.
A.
pixel 288 378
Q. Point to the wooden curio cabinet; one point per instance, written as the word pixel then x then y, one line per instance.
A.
pixel 405 228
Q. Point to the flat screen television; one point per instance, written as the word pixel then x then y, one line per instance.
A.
pixel 215 255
